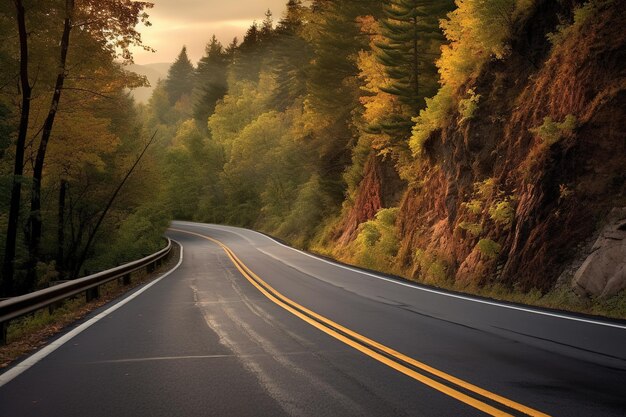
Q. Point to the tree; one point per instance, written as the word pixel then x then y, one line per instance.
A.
pixel 35 220
pixel 290 57
pixel 119 17
pixel 247 60
pixel 180 77
pixel 332 82
pixel 16 189
pixel 267 27
pixel 410 45
pixel 230 50
pixel 210 84
pixel 107 28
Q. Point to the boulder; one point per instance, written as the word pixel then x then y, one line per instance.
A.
pixel 604 271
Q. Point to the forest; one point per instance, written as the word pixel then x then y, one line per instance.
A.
pixel 470 144
pixel 70 135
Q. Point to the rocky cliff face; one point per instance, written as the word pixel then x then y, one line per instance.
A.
pixel 509 195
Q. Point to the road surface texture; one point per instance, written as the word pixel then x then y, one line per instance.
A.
pixel 249 327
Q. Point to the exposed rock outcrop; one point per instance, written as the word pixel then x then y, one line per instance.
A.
pixel 499 203
pixel 604 271
pixel 380 187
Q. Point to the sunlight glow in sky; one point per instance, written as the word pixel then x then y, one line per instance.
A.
pixel 192 23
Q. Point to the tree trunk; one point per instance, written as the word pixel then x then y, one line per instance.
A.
pixel 18 169
pixel 61 229
pixel 35 220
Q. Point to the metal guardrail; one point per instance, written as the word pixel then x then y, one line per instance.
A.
pixel 16 307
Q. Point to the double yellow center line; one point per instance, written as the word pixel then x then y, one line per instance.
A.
pixel 446 384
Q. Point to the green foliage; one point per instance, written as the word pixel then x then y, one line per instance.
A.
pixel 489 248
pixel 486 189
pixel 180 76
pixel 354 174
pixel 138 235
pixel 502 213
pixel 311 206
pixel 474 206
pixel 582 14
pixel 377 242
pixel 290 57
pixel 210 84
pixel 490 199
pixel 468 106
pixel 192 165
pixel 476 31
pixel 433 117
pixel 411 37
pixel 430 267
pixel 552 132
pixel 475 229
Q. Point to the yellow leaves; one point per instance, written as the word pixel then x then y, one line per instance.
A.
pixel 79 139
pixel 433 117
pixel 477 30
pixel 377 103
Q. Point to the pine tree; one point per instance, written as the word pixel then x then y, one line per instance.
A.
pixel 267 27
pixel 336 38
pixel 292 21
pixel 412 40
pixel 180 77
pixel 210 81
pixel 230 50
pixel 290 56
pixel 246 64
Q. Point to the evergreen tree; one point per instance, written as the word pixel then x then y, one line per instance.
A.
pixel 332 82
pixel 267 27
pixel 290 56
pixel 336 38
pixel 251 38
pixel 246 64
pixel 292 21
pixel 210 81
pixel 180 77
pixel 412 42
pixel 230 50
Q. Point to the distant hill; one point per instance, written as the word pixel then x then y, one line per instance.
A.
pixel 154 73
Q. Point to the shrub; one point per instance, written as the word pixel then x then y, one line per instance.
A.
pixel 468 106
pixel 475 229
pixel 486 188
pixel 502 213
pixel 431 118
pixel 474 206
pixel 377 242
pixel 551 132
pixel 432 269
pixel 581 15
pixel 489 248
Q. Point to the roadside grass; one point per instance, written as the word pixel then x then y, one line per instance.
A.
pixel 559 298
pixel 33 331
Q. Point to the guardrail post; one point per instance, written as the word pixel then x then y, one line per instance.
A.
pixel 126 279
pixel 150 267
pixel 4 327
pixel 92 294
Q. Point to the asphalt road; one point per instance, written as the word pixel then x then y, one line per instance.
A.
pixel 259 329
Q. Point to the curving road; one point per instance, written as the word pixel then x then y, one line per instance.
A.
pixel 249 327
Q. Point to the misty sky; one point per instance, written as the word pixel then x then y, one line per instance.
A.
pixel 192 22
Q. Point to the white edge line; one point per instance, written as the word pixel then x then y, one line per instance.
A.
pixel 406 284
pixel 14 372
